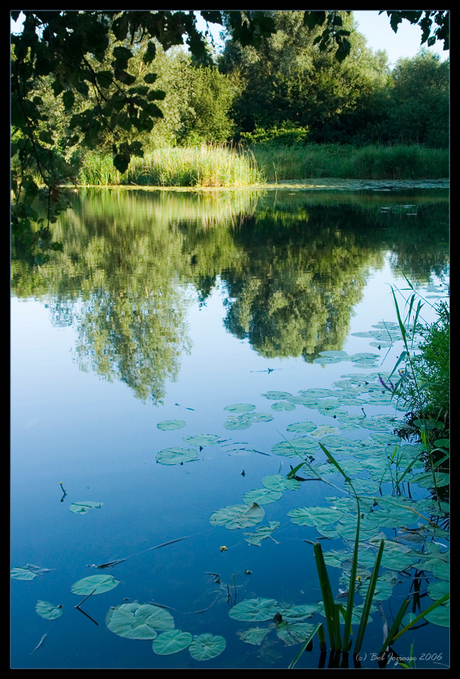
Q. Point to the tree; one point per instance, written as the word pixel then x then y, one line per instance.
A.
pixel 69 47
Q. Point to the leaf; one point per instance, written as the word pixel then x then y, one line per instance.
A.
pixel 238 516
pixel 167 425
pixel 48 611
pixel 207 646
pixel 254 610
pixel 261 533
pixel 314 516
pixel 171 642
pixel 302 427
pixel 240 408
pixel 254 636
pixel 94 584
pixel 278 482
pixel 22 573
pixel 83 507
pixel 262 496
pixel 138 621
pixel 202 439
pixel 172 456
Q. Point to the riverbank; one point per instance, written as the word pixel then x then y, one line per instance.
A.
pixel 214 166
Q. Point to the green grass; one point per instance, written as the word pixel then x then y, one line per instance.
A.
pixel 279 163
pixel 217 165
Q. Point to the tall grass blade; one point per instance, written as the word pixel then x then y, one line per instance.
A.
pixel 330 607
pixel 304 645
pixel 368 599
pixel 351 589
pixel 394 628
pixel 440 601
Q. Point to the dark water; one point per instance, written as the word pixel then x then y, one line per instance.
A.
pixel 167 306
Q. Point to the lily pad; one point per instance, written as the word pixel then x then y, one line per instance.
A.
pixel 262 496
pixel 94 584
pixel 170 642
pixel 83 507
pixel 261 533
pixel 238 516
pixel 254 636
pixel 207 646
pixel 167 425
pixel 48 611
pixel 283 405
pixel 278 482
pixel 202 440
pixel 314 516
pixel 23 573
pixel 254 610
pixel 172 456
pixel 302 427
pixel 240 408
pixel 138 621
pixel 277 395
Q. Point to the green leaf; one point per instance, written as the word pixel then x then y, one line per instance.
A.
pixel 171 642
pixel 254 635
pixel 237 516
pixel 207 646
pixel 23 573
pixel 48 611
pixel 172 456
pixel 278 482
pixel 83 507
pixel 314 516
pixel 261 533
pixel 94 584
pixel 167 425
pixel 255 610
pixel 202 440
pixel 262 496
pixel 138 621
pixel 240 408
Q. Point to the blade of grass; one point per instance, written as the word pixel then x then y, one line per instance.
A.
pixel 368 599
pixel 421 616
pixel 394 628
pixel 351 589
pixel 305 644
pixel 330 607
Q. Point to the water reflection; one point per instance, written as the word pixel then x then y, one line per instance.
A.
pixel 293 266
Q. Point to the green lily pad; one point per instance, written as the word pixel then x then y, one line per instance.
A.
pixel 431 480
pixel 278 482
pixel 262 496
pixel 167 425
pixel 83 507
pixel 277 395
pixel 94 584
pixel 323 360
pixel 253 636
pixel 261 533
pixel 303 427
pixel 138 621
pixel 439 616
pixel 240 408
pixel 202 440
pixel 22 573
pixel 172 641
pixel 314 516
pixel 207 646
pixel 172 456
pixel 254 610
pixel 283 405
pixel 238 516
pixel 293 633
pixel 48 611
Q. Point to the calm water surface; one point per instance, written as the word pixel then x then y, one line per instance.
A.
pixel 169 307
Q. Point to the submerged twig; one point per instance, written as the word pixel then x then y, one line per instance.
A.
pixel 39 644
pixel 82 611
pixel 109 564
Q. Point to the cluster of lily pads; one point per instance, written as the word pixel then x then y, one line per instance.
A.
pixel 131 620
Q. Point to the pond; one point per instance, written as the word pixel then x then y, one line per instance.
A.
pixel 168 371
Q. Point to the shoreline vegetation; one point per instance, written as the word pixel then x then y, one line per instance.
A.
pixel 218 165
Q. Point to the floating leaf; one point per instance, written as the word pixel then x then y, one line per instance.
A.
pixel 48 611
pixel 254 636
pixel 293 633
pixel 278 482
pixel 303 427
pixel 207 646
pixel 83 507
pixel 314 516
pixel 431 479
pixel 439 616
pixel 277 395
pixel 240 407
pixel 170 642
pixel 262 496
pixel 254 610
pixel 22 573
pixel 94 584
pixel 261 533
pixel 167 425
pixel 172 456
pixel 283 405
pixel 138 621
pixel 238 516
pixel 202 440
